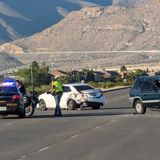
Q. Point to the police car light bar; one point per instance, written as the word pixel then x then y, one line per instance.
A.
pixel 8 84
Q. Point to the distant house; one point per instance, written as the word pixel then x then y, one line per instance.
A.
pixel 105 75
pixel 58 73
pixel 114 74
pixel 98 76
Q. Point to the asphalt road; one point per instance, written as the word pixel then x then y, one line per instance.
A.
pixel 111 133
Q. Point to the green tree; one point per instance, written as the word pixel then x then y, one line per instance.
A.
pixel 36 73
pixel 140 72
pixel 65 79
pixel 90 76
pixel 157 73
pixel 131 76
pixel 123 69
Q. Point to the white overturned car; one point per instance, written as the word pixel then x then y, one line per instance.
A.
pixel 74 96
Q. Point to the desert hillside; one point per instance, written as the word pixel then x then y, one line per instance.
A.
pixel 100 29
pixel 72 42
pixel 127 3
pixel 16 22
pixel 20 19
pixel 8 61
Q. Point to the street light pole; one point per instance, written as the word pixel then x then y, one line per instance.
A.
pixel 32 76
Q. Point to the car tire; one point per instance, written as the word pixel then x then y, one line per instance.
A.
pixel 22 115
pixel 71 104
pixel 42 105
pixel 139 108
pixel 29 111
pixel 95 107
pixel 4 116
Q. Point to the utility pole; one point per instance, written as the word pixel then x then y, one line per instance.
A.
pixel 32 76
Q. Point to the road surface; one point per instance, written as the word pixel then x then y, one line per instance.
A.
pixel 111 133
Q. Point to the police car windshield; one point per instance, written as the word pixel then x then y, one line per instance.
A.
pixel 82 87
pixel 8 89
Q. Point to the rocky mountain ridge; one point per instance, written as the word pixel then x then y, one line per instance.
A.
pixel 72 42
pixel 128 3
pixel 7 61
pixel 20 19
pixel 16 22
pixel 99 29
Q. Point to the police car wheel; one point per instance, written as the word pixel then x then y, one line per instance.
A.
pixel 4 116
pixel 22 115
pixel 29 111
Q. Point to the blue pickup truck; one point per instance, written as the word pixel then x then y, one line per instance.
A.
pixel 145 93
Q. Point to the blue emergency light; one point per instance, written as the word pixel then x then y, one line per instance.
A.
pixel 9 82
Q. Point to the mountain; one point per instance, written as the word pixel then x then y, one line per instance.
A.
pixel 128 3
pixel 8 61
pixel 23 18
pixel 16 22
pixel 99 29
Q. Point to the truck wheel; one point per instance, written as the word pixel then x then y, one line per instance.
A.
pixel 95 107
pixel 71 104
pixel 139 108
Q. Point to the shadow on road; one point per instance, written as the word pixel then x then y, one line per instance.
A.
pixel 119 108
pixel 82 115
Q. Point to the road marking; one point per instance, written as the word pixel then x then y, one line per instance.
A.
pixel 96 127
pixel 22 157
pixel 43 149
pixel 113 120
pixel 75 136
pixel 9 124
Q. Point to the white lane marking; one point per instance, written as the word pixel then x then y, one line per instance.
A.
pixel 43 149
pixel 96 127
pixel 22 157
pixel 9 124
pixel 75 136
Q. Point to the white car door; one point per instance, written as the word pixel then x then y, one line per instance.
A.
pixel 50 101
pixel 64 99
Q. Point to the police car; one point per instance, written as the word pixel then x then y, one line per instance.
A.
pixel 11 100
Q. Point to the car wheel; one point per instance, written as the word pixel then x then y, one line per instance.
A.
pixel 29 111
pixel 42 105
pixel 4 116
pixel 71 104
pixel 22 115
pixel 139 108
pixel 95 107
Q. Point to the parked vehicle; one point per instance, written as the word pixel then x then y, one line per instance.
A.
pixel 11 100
pixel 74 96
pixel 145 93
pixel 30 102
